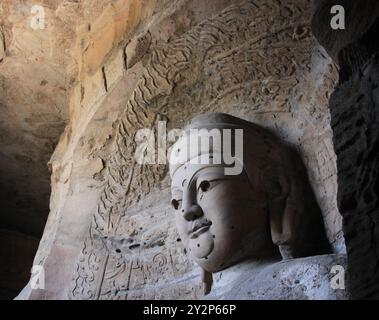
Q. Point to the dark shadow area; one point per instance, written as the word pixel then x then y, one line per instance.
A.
pixel 22 220
pixel 17 252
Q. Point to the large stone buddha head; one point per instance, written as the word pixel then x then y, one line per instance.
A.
pixel 259 206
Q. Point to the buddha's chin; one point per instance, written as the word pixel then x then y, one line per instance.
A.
pixel 202 245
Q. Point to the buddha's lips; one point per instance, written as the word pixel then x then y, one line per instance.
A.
pixel 199 226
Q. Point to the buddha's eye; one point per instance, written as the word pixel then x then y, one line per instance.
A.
pixel 204 185
pixel 176 203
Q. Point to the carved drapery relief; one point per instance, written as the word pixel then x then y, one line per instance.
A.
pixel 247 60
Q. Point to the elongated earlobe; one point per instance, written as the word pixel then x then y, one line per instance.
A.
pixel 296 223
pixel 281 213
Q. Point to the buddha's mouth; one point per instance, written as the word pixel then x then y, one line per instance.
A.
pixel 198 227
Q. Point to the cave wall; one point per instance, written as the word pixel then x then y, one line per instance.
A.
pixel 354 107
pixel 34 113
pixel 38 69
pixel 110 232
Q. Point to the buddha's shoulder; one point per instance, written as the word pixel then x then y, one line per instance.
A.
pixel 317 277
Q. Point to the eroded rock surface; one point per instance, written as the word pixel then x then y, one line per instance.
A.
pixel 354 108
pixel 298 279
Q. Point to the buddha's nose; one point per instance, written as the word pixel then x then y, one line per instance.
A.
pixel 192 212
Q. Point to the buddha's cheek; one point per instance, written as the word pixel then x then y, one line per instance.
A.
pixel 202 246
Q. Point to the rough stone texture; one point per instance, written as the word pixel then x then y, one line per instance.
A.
pixel 40 73
pixel 355 114
pixel 298 279
pixel 110 231
pixel 359 17
pixel 354 111
pixel 2 46
pixel 33 106
pixel 39 69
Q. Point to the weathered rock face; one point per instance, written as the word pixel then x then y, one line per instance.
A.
pixel 34 111
pixel 39 70
pixel 33 102
pixel 356 141
pixel 354 110
pixel 110 232
pixel 297 279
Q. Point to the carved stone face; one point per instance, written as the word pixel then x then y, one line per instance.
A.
pixel 223 219
pixel 220 219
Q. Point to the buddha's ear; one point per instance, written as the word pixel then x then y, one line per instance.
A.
pixel 282 214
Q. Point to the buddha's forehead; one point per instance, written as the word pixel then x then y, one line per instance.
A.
pixel 196 145
pixel 183 173
pixel 187 171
